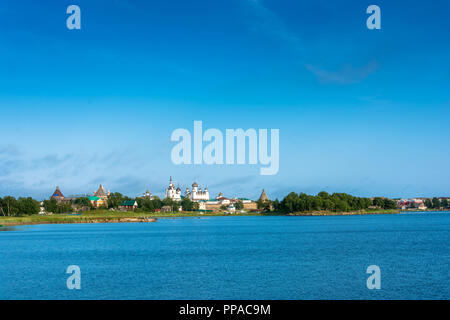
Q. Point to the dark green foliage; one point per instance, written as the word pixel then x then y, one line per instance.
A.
pixel 149 205
pixel 263 205
pixel 276 205
pixel 83 202
pixel 378 202
pixel 10 206
pixel 384 203
pixel 51 205
pixel 436 203
pixel 389 204
pixel 28 206
pixel 175 205
pixel 239 205
pixel 54 206
pixel 339 202
pixel 115 198
pixel 189 205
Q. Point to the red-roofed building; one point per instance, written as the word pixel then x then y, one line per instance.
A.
pixel 57 195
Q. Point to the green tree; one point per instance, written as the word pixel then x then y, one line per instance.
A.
pixel 239 205
pixel 324 195
pixel 1 207
pixel 263 205
pixel 328 205
pixel 444 203
pixel 189 205
pixel 157 203
pixel 83 202
pixel 428 203
pixel 27 206
pixel 389 204
pixel 145 204
pixel 114 199
pixel 378 202
pixel 436 203
pixel 50 205
pixel 65 207
pixel 341 202
pixel 175 205
pixel 10 206
pixel 341 206
pixel 276 205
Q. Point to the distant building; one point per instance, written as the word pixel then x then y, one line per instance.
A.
pixel 41 208
pixel 172 193
pixel 101 193
pixel 128 205
pixel 97 201
pixel 197 194
pixel 216 204
pixel 147 194
pixel 57 195
pixel 404 204
pixel 102 196
pixel 264 196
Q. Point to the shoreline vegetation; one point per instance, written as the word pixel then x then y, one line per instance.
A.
pixel 117 208
pixel 105 216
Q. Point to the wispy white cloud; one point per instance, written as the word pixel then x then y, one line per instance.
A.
pixel 347 74
pixel 265 20
pixel 23 174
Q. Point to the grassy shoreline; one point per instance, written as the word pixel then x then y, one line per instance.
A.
pixel 332 213
pixel 104 216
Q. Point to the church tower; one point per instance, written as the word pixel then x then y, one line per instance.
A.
pixel 263 196
pixel 173 193
pixel 57 195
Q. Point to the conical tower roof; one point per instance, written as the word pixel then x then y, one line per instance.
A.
pixel 57 193
pixel 100 192
pixel 263 196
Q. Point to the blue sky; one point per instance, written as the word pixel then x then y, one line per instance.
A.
pixel 359 111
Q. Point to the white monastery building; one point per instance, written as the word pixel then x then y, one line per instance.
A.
pixel 196 194
pixel 173 193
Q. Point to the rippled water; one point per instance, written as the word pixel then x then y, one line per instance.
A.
pixel 231 258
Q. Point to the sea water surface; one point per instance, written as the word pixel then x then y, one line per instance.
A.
pixel 274 257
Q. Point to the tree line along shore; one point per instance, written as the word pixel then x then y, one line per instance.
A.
pixel 26 210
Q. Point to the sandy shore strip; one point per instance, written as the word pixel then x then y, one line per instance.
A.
pixel 83 220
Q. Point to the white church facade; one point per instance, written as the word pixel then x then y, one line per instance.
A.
pixel 196 194
pixel 172 193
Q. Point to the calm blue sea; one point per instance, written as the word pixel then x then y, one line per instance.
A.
pixel 231 258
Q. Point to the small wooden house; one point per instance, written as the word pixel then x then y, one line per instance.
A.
pixel 128 205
